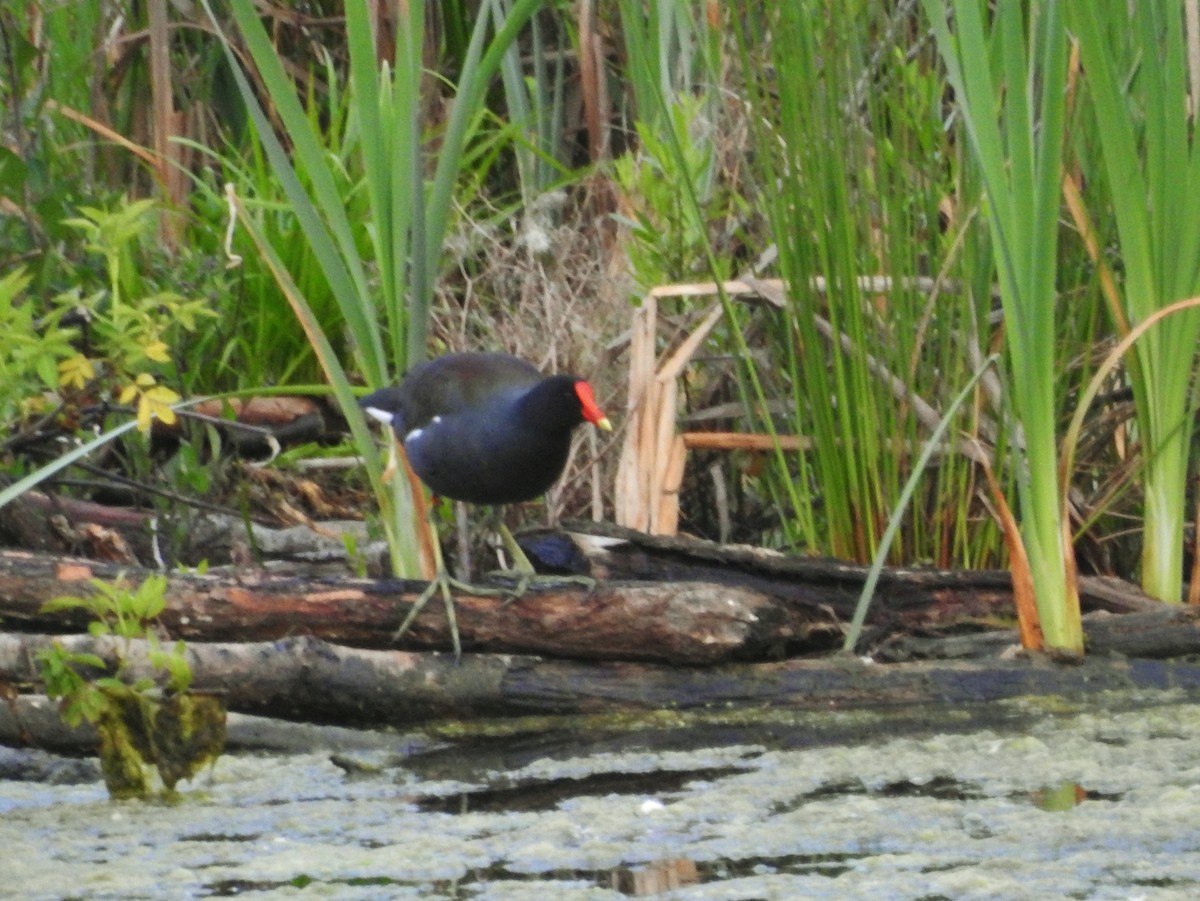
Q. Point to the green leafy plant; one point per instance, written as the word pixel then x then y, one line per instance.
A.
pixel 668 233
pixel 148 724
pixel 259 341
pixel 46 163
pixel 131 326
pixel 31 351
pixel 356 559
pixel 122 333
pixel 672 50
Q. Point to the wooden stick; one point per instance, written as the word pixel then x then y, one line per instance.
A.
pixel 742 441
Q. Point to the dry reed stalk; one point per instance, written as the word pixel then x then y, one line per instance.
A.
pixel 654 455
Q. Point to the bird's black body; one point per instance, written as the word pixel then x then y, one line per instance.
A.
pixel 485 428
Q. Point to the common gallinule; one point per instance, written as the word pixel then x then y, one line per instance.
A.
pixel 485 428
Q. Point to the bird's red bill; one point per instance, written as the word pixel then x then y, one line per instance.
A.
pixel 591 410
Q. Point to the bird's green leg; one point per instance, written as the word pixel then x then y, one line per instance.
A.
pixel 522 570
pixel 521 566
pixel 443 582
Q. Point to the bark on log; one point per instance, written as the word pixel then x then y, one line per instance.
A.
pixel 306 678
pixel 1171 631
pixel 52 524
pixel 34 721
pixel 905 596
pixel 674 623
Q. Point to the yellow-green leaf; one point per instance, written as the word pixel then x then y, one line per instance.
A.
pixel 157 351
pixel 76 371
pixel 144 415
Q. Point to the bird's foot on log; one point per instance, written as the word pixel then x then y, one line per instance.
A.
pixel 523 581
pixel 443 582
pixel 523 573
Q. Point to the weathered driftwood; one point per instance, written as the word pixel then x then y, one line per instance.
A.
pixel 305 678
pixel 34 720
pixel 53 524
pixel 732 604
pixel 679 623
pixel 905 597
pixel 1161 634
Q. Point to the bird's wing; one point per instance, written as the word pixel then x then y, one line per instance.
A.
pixel 458 383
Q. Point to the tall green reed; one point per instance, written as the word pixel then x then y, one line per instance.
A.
pixel 850 159
pixel 1135 63
pixel 671 49
pixel 536 102
pixel 672 68
pixel 1009 83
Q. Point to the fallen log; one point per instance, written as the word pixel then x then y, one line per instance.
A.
pixel 696 623
pixel 734 604
pixel 33 720
pixel 305 678
pixel 65 526
pixel 905 597
pixel 1168 632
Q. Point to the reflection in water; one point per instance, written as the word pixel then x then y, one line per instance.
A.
pixel 652 878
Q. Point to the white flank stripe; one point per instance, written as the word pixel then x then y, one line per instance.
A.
pixel 381 415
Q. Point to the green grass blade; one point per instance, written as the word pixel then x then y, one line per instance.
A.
pixel 854 631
